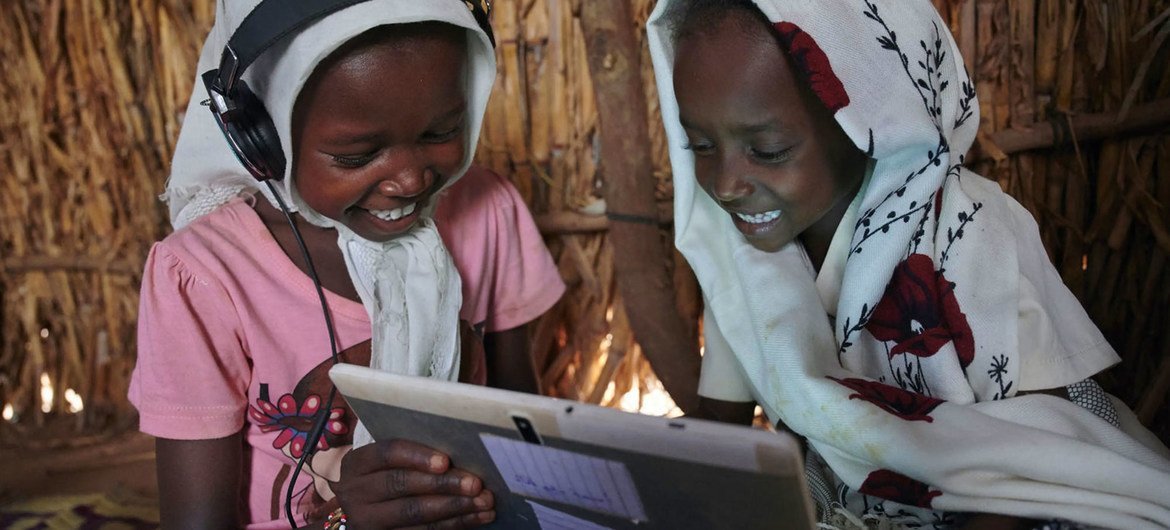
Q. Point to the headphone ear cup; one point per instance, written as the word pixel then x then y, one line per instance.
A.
pixel 254 135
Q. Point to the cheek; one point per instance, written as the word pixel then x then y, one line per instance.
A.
pixel 705 175
pixel 319 188
pixel 448 157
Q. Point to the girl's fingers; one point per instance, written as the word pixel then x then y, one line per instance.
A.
pixel 393 454
pixel 426 510
pixel 471 520
pixel 402 482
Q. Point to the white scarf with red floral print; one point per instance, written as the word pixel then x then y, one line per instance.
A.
pixel 903 394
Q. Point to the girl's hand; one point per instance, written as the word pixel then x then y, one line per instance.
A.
pixel 402 484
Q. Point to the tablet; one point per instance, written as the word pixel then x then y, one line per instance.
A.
pixel 559 464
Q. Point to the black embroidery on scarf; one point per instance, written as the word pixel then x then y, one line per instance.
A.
pixel 920 232
pixel 965 111
pixel 891 218
pixel 930 87
pixel 955 234
pixel 847 330
pixel 998 373
pixel 906 376
pixel 889 41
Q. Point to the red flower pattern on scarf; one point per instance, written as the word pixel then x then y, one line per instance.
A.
pixel 810 60
pixel 898 488
pixel 904 404
pixel 920 313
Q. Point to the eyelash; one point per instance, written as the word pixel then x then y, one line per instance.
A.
pixel 767 157
pixel 698 149
pixel 443 137
pixel 772 157
pixel 352 161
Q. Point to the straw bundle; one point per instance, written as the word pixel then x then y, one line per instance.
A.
pixel 92 101
pixel 542 131
pixel 89 97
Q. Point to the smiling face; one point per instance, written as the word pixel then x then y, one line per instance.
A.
pixel 380 127
pixel 766 149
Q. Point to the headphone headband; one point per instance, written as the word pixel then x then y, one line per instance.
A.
pixel 272 20
pixel 238 112
pixel 264 26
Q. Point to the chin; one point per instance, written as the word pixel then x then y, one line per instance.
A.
pixel 382 237
pixel 767 245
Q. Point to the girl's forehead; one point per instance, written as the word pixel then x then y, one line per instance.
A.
pixel 739 76
pixel 425 77
pixel 390 64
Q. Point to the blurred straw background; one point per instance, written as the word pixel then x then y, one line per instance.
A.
pixel 1074 100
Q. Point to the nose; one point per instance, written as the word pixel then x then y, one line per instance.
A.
pixel 730 181
pixel 406 175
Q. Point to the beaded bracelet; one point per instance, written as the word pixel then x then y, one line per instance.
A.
pixel 336 520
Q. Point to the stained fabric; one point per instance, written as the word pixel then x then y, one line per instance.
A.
pixel 909 392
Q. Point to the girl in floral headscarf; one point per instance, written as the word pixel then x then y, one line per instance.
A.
pixel 871 294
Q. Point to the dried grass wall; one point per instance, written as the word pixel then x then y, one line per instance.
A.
pixel 92 101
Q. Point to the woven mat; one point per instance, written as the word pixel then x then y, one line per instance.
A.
pixel 102 511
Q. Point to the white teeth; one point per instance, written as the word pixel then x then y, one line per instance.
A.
pixel 395 214
pixel 757 218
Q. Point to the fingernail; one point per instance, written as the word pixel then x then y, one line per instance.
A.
pixel 481 502
pixel 467 485
pixel 437 462
pixel 486 517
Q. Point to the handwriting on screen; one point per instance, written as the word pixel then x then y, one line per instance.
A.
pixel 580 480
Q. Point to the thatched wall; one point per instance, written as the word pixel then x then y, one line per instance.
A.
pixel 92 99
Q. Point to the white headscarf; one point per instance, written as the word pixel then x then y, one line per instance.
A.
pixel 409 285
pixel 902 393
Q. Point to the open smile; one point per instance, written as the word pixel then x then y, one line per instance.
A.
pixel 395 221
pixel 752 224
pixel 395 214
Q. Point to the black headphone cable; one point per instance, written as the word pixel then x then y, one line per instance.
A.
pixel 319 426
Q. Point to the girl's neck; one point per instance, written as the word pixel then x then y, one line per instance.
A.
pixel 321 243
pixel 818 237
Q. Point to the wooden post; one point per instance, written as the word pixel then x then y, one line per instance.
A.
pixel 640 257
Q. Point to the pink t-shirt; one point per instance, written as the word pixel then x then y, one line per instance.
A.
pixel 231 334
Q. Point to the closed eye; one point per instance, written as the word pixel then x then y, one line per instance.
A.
pixel 771 157
pixel 442 136
pixel 699 148
pixel 353 161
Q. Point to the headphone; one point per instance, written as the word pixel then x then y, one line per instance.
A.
pixel 250 133
pixel 240 114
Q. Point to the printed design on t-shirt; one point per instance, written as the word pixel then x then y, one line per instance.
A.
pixel 292 417
pixel 898 488
pixel 910 406
pixel 295 420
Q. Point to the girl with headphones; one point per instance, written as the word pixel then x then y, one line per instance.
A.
pixel 379 242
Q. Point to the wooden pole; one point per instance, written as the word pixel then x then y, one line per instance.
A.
pixel 640 257
pixel 570 222
pixel 68 263
pixel 1147 118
